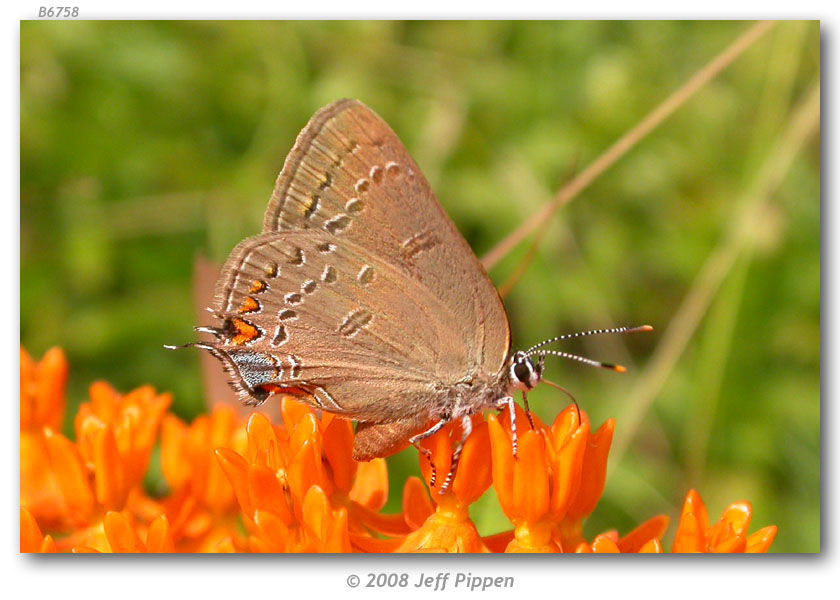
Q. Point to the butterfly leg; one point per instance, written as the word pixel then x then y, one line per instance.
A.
pixel 508 401
pixel 527 409
pixel 415 441
pixel 466 425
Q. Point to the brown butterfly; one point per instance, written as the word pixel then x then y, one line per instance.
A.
pixel 361 298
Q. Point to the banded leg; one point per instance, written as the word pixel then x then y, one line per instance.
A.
pixel 527 409
pixel 512 410
pixel 415 441
pixel 466 425
pixel 507 402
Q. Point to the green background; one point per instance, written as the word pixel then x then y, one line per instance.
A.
pixel 144 144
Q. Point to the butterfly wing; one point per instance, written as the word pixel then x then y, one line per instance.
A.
pixel 344 328
pixel 360 295
pixel 350 177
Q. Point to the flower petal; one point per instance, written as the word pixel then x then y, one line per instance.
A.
pixel 530 477
pixel 440 445
pixel 305 470
pixel 694 522
pixel 263 446
pixel 595 468
pixel 474 472
pixel 733 544
pixel 72 475
pixel 225 431
pixel 31 538
pixel 120 534
pixel 104 400
pixel 158 539
pixel 653 528
pixel 567 471
pixel 42 388
pixel 173 434
pixel 370 487
pixel 417 507
pixel 738 515
pixel 293 411
pixel 306 431
pixel 761 540
pixel 363 519
pixel 565 425
pixel 604 544
pixel 502 461
pixel 652 546
pixel 274 535
pixel 111 490
pixel 338 450
pixel 316 512
pixel 338 535
pixel 236 469
pixel 225 546
pixel 267 493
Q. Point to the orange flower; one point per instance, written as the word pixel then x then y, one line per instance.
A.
pixel 644 539
pixel 729 534
pixel 449 528
pixel 114 430
pixel 104 469
pixel 201 507
pixel 123 535
pixel 284 484
pixel 542 490
pixel 594 466
pixel 42 387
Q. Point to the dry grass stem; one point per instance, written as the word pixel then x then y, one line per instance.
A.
pixel 627 141
pixel 802 124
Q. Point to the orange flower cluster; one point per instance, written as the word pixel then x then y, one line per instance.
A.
pixel 254 486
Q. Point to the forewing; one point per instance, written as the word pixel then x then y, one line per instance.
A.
pixel 350 177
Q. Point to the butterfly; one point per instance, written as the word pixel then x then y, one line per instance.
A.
pixel 361 298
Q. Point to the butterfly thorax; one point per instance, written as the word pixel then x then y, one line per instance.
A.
pixel 485 391
pixel 469 396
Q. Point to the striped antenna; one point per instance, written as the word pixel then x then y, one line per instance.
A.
pixel 584 360
pixel 569 336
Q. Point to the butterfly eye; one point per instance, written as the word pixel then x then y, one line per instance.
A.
pixel 522 370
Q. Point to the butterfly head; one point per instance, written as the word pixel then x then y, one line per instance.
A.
pixel 524 375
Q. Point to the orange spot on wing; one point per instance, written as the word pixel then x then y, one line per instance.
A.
pixel 249 304
pixel 245 331
pixel 257 286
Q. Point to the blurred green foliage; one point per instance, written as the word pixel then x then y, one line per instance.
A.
pixel 145 143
